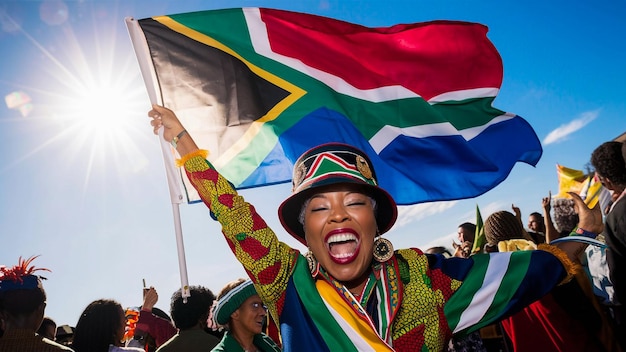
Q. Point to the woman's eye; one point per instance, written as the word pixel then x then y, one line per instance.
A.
pixel 317 209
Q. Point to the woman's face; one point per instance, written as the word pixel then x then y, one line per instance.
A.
pixel 340 226
pixel 250 316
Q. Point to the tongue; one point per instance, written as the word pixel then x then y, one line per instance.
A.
pixel 339 248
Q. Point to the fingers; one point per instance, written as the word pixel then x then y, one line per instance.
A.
pixel 578 201
pixel 156 117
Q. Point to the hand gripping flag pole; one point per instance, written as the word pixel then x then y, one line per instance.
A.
pixel 147 71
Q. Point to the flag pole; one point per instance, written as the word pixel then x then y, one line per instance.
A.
pixel 139 43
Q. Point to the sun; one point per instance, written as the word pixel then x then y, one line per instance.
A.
pixel 91 90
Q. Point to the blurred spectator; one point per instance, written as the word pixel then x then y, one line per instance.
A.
pixel 100 328
pixel 566 319
pixel 609 161
pixel 48 328
pixel 241 312
pixel 64 335
pixel 565 217
pixel 154 327
pixel 535 223
pixel 439 250
pixel 191 320
pixel 22 305
pixel 536 229
pixel 465 232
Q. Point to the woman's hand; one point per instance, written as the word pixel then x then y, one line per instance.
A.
pixel 545 203
pixel 518 213
pixel 150 298
pixel 588 219
pixel 162 116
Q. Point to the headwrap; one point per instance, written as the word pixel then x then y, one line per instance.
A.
pixel 230 302
pixel 20 276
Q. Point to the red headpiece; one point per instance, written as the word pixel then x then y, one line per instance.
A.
pixel 19 276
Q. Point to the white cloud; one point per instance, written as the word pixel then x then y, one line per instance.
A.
pixel 562 132
pixel 410 213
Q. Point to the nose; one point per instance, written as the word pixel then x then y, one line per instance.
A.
pixel 338 214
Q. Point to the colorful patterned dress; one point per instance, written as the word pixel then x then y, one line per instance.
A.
pixel 412 302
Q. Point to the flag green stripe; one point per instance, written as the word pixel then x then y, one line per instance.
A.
pixel 518 267
pixel 370 121
pixel 507 288
pixel 464 295
pixel 227 26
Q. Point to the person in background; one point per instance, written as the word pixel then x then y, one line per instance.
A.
pixel 153 327
pixel 64 335
pixel 536 229
pixel 564 219
pixel 22 306
pixel 48 328
pixel 609 162
pixel 100 328
pixel 536 223
pixel 240 311
pixel 190 318
pixel 567 319
pixel 465 234
pixel 439 250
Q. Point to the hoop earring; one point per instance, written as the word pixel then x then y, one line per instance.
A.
pixel 312 261
pixel 383 249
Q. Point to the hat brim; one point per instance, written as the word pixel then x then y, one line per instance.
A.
pixel 289 210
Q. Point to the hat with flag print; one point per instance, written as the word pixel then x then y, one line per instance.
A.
pixel 330 164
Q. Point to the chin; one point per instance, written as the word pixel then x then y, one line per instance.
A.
pixel 346 274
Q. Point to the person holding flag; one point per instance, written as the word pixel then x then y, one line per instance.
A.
pixel 352 291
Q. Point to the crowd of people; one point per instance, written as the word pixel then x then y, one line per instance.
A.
pixel 352 291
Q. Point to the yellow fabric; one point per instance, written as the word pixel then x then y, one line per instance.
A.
pixel 361 330
pixel 516 245
pixel 571 180
pixel 200 152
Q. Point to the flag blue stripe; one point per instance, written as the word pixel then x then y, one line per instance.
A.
pixel 414 170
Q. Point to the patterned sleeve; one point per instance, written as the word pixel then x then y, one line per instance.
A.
pixel 267 261
pixel 497 285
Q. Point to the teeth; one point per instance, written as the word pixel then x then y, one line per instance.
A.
pixel 341 237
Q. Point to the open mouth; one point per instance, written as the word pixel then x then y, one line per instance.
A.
pixel 342 245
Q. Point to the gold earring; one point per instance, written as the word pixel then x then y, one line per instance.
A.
pixel 383 249
pixel 312 261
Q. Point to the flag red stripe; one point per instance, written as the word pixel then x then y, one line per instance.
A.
pixel 428 58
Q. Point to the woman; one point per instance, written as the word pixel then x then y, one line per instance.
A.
pixel 241 312
pixel 100 328
pixel 353 292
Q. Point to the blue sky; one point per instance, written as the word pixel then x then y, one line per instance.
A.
pixel 82 177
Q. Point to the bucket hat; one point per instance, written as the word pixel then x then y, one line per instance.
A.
pixel 329 164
